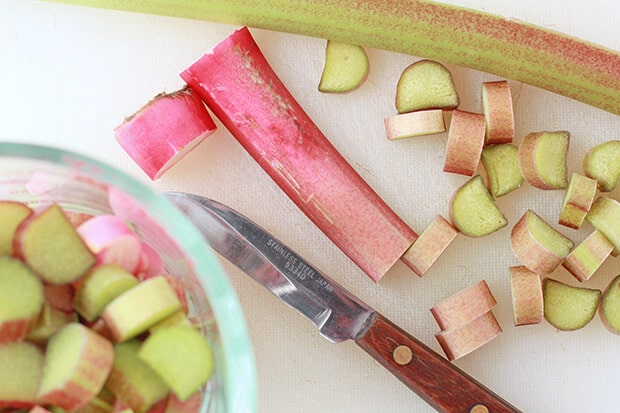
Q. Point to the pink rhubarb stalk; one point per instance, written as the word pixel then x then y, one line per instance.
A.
pixel 240 87
pixel 165 130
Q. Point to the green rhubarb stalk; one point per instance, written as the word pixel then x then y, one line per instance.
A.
pixel 505 47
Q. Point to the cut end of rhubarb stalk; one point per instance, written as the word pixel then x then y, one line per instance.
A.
pixel 132 381
pixel 538 245
pixel 501 163
pixel 164 131
pixel 181 356
pixel 604 215
pixel 77 364
pixel 465 142
pixel 588 256
pixel 11 215
pixel 569 308
pixel 51 246
pixel 21 368
pixel 408 125
pixel 609 310
pixel 498 113
pixel 602 163
pixel 140 307
pixel 430 245
pixel 425 84
pixel 21 299
pixel 542 159
pixel 577 201
pixel 469 337
pixel 527 296
pixel 464 306
pixel 473 210
pixel 346 67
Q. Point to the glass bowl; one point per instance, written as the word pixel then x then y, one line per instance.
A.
pixel 39 175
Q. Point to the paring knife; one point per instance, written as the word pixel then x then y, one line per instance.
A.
pixel 337 313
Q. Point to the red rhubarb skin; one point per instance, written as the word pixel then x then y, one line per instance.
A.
pixel 165 129
pixel 240 87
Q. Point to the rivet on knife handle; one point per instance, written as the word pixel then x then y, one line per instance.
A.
pixel 432 377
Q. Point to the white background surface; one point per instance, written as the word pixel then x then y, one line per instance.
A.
pixel 69 75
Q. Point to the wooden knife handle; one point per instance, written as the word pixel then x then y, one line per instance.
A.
pixel 440 383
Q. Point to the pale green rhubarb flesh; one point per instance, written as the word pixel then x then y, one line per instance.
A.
pixel 280 136
pixel 508 48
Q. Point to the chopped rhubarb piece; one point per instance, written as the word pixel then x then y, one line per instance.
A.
pixel 191 405
pixel 140 307
pixel 588 256
pixel 164 131
pixel 569 308
pixel 51 247
pixel 102 284
pixel 527 296
pixel 272 126
pixel 181 356
pixel 21 367
pixel 577 201
pixel 113 242
pixel 407 125
pixel 469 337
pixel 425 84
pixel 49 322
pixel 609 310
pixel 538 245
pixel 132 381
pixel 59 296
pixel 464 306
pixel 21 299
pixel 604 215
pixel 602 163
pixel 465 142
pixel 431 243
pixel 498 113
pixel 77 363
pixel 346 67
pixel 11 215
pixel 542 159
pixel 501 164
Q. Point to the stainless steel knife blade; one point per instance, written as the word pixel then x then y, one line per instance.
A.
pixel 337 313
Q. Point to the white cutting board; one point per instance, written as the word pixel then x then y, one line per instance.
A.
pixel 69 75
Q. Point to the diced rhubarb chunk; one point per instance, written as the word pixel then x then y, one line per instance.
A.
pixel 498 112
pixel 113 242
pixel 21 367
pixel 542 159
pixel 577 201
pixel 140 307
pixel 77 364
pixel 465 142
pixel 181 356
pixel 469 337
pixel 407 125
pixel 425 84
pixel 538 246
pixel 586 258
pixel 464 306
pixel 431 243
pixel 11 215
pixel 51 247
pixel 527 296
pixel 164 131
pixel 21 299
pixel 604 215
pixel 132 381
pixel 272 126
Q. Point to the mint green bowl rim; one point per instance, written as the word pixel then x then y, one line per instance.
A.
pixel 239 376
